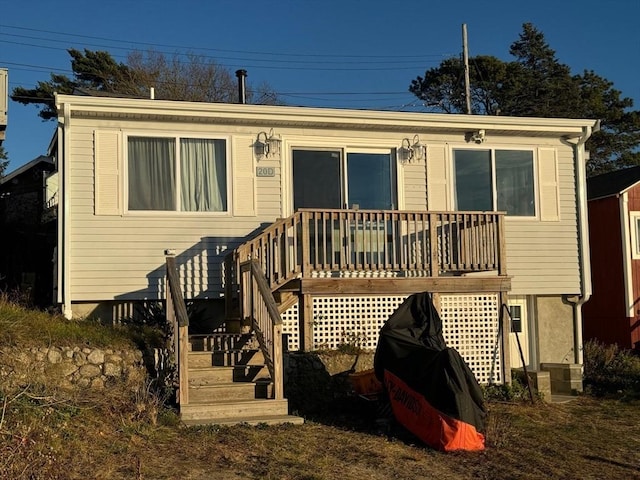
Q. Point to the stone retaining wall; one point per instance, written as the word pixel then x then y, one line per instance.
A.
pixel 67 367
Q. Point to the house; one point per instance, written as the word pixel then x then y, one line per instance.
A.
pixel 344 212
pixel 612 315
pixel 28 228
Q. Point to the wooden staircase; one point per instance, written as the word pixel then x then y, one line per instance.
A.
pixel 229 383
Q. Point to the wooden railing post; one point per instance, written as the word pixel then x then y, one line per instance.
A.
pixel 502 251
pixel 433 244
pixel 306 244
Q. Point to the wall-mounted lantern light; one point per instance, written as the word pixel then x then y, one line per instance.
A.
pixel 267 145
pixel 412 150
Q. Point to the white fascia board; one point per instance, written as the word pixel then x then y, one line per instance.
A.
pixel 271 115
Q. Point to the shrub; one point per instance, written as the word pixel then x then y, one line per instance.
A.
pixel 515 391
pixel 610 370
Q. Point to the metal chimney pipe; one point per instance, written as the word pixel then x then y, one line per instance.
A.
pixel 242 93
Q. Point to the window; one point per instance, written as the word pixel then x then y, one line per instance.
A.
pixel 370 181
pixel 169 174
pixel 635 234
pixel 495 180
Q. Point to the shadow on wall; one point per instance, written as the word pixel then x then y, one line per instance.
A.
pixel 200 268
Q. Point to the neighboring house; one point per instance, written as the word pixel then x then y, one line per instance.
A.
pixel 612 315
pixel 28 230
pixel 347 211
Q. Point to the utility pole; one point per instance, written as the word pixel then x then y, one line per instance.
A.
pixel 465 56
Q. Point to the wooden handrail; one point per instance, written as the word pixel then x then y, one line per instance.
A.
pixel 259 305
pixel 176 311
pixel 409 243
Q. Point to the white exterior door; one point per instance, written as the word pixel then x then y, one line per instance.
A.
pixel 519 332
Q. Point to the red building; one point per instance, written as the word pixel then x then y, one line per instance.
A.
pixel 612 315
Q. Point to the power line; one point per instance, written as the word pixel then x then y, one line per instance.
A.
pixel 304 62
pixel 268 67
pixel 421 56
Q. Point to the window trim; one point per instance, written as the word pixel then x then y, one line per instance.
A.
pixel 177 137
pixel 494 190
pixel 295 142
pixel 634 220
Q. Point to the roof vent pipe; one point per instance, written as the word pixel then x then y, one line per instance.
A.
pixel 242 94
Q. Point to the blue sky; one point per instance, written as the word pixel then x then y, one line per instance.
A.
pixel 312 52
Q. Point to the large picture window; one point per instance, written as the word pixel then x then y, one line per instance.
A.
pixel 169 174
pixel 500 180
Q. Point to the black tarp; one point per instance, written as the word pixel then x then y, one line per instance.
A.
pixel 411 347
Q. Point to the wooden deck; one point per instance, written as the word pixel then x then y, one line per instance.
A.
pixel 362 252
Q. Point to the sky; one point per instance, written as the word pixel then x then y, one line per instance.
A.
pixel 358 54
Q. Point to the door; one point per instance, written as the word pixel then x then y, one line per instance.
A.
pixel 519 332
pixel 359 180
pixel 317 179
pixel 363 180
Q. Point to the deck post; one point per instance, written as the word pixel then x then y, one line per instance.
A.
pixel 433 245
pixel 306 244
pixel 502 252
pixel 305 322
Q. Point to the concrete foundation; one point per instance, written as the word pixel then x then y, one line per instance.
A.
pixel 566 378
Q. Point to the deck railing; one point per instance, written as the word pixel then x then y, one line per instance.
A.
pixel 260 307
pixel 381 242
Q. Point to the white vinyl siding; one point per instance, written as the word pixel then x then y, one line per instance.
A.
pixel 122 257
pixel 116 256
pixel 542 256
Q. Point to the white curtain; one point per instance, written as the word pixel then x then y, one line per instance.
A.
pixel 203 183
pixel 151 173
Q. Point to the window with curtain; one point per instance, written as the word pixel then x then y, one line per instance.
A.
pixel 495 180
pixel 169 174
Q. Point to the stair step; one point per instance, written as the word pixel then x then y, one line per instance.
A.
pixel 233 409
pixel 201 376
pixel 222 341
pixel 225 359
pixel 228 392
pixel 259 420
pixel 212 375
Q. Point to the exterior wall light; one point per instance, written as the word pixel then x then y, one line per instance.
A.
pixel 267 145
pixel 412 150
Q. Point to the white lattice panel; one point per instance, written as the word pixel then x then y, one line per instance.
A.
pixel 290 327
pixel 470 325
pixel 351 320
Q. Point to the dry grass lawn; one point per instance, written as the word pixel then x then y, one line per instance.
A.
pixel 113 437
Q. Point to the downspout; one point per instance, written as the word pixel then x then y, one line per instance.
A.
pixel 583 241
pixel 65 285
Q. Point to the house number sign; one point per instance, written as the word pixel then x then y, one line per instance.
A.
pixel 265 172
